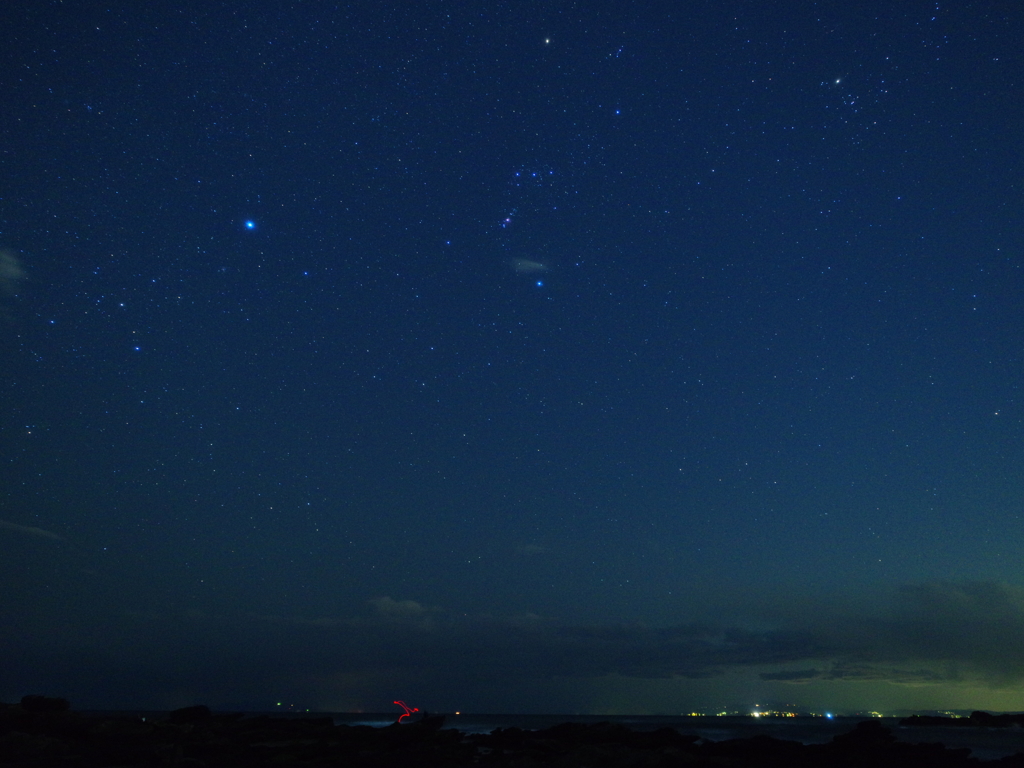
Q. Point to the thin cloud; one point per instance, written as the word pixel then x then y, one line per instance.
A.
pixel 795 676
pixel 29 530
pixel 532 549
pixel 528 266
pixel 11 273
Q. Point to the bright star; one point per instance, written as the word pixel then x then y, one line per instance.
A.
pixel 250 224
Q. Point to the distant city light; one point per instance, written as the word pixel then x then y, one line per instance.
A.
pixel 769 713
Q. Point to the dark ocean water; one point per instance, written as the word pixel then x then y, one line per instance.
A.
pixel 984 743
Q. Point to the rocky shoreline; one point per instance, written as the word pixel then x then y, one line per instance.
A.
pixel 42 732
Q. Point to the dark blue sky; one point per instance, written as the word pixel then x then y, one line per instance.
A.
pixel 512 356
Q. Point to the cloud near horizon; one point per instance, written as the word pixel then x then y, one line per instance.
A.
pixel 934 632
pixel 938 633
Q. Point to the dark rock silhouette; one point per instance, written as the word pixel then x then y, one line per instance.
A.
pixel 869 734
pixel 431 722
pixel 196 714
pixel 34 703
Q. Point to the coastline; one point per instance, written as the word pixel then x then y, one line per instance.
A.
pixel 35 735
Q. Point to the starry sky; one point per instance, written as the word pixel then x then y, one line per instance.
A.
pixel 512 357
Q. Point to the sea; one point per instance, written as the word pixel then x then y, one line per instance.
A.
pixel 984 743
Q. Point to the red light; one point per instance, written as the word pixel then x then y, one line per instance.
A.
pixel 408 710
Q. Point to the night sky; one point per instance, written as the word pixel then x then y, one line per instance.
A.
pixel 531 356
